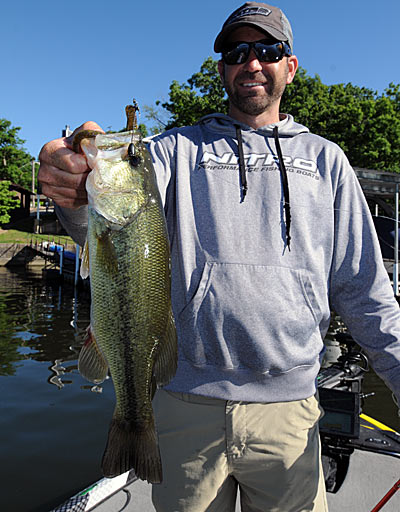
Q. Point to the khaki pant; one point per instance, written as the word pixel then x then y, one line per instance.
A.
pixel 209 447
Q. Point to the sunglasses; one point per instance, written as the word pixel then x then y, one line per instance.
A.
pixel 240 51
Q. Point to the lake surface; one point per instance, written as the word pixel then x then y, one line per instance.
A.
pixel 53 423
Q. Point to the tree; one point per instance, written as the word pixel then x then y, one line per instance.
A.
pixel 142 128
pixel 15 162
pixel 7 202
pixel 157 118
pixel 364 124
pixel 203 94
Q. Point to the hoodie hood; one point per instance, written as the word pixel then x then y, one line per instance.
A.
pixel 224 124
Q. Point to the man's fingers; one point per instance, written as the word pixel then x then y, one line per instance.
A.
pixel 67 190
pixel 55 177
pixel 57 155
pixel 62 173
pixel 65 197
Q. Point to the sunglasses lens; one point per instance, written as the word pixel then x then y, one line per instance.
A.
pixel 264 52
pixel 236 55
pixel 268 52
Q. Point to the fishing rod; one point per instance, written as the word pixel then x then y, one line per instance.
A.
pixel 387 497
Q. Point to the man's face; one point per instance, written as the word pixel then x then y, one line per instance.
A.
pixel 253 87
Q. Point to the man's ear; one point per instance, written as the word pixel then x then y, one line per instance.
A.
pixel 293 64
pixel 221 70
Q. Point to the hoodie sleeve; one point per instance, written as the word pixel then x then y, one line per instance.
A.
pixel 360 288
pixel 162 149
pixel 74 222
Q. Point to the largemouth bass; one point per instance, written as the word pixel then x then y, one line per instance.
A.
pixel 132 331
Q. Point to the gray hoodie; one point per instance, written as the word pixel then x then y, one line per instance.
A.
pixel 251 312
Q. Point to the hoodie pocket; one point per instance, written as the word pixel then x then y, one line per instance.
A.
pixel 256 317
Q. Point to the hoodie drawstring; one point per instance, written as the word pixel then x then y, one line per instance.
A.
pixel 285 184
pixel 242 165
pixel 283 171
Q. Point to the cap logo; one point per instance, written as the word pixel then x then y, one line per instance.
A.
pixel 251 11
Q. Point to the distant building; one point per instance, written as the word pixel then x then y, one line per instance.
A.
pixel 24 196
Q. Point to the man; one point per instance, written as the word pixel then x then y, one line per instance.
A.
pixel 269 230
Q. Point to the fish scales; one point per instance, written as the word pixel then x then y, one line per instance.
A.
pixel 132 327
pixel 121 307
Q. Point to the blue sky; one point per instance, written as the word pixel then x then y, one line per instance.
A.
pixel 66 62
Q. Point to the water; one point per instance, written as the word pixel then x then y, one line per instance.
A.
pixel 53 424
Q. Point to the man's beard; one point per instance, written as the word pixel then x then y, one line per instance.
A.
pixel 255 104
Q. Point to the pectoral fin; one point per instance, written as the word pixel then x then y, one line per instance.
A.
pixel 106 249
pixel 85 270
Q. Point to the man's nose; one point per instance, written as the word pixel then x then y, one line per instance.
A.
pixel 253 64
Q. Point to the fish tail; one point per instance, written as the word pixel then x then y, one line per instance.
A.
pixel 128 449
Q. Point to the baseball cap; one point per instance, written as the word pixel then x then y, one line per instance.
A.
pixel 264 17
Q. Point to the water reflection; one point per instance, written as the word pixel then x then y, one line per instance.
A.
pixel 33 322
pixel 33 325
pixel 58 370
pixel 53 423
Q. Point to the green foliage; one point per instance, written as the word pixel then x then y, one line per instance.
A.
pixel 9 354
pixel 203 94
pixel 7 201
pixel 143 130
pixel 364 124
pixel 15 162
pixel 157 117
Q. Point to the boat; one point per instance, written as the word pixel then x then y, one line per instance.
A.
pixel 360 455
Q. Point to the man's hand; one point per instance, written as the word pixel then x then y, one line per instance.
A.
pixel 62 173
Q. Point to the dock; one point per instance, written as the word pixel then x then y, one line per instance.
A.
pixel 58 262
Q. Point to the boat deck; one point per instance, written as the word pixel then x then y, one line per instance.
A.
pixel 369 478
